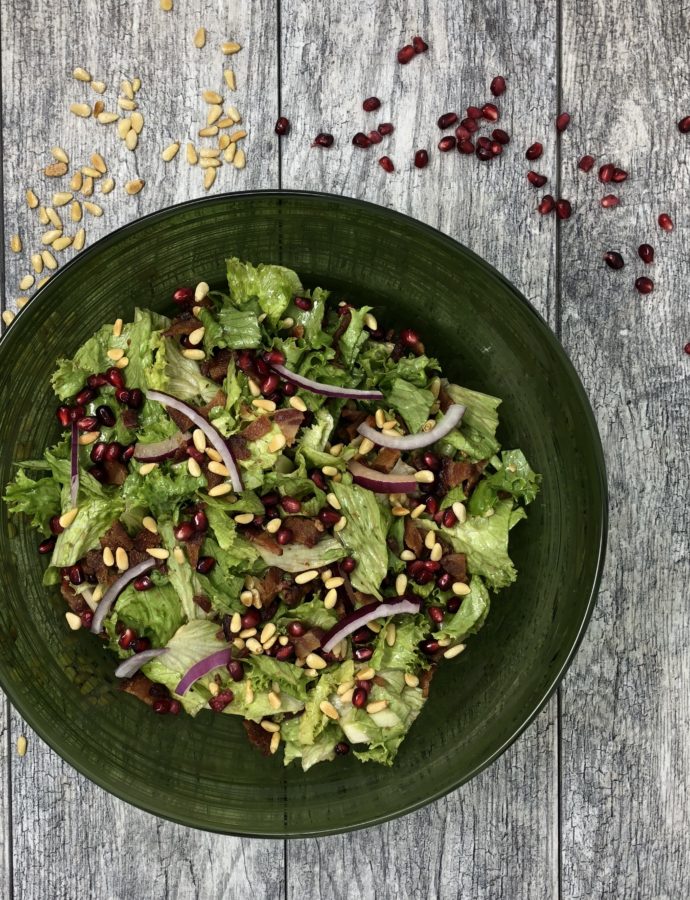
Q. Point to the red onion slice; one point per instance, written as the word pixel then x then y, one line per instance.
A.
pixel 203 667
pixel 161 449
pixel 328 390
pixel 74 466
pixel 214 436
pixel 132 665
pixel 450 420
pixel 116 589
pixel 380 482
pixel 406 604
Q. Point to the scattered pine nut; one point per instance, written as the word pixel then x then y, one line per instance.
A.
pixel 460 511
pixel 223 142
pixel 31 199
pixel 329 710
pixel 193 467
pixel 170 151
pixel 43 216
pixel 83 110
pixel 436 552
pixel 79 238
pixel 122 363
pixel 88 437
pixel 117 327
pixel 8 316
pixel 305 578
pixel 240 160
pixel 108 557
pixel 209 178
pixel 330 599
pixel 116 353
pixel 298 403
pixel 67 518
pixel 400 511
pixel 199 439
pixel 452 652
pixel 126 103
pixel 212 97
pixel 93 208
pixel 81 74
pixel 200 38
pixel 55 170
pixel 227 122
pixel 49 260
pixel 98 86
pixel 219 490
pixel 365 447
pixel 276 444
pixel 209 131
pixel 234 114
pixel 73 621
pixel 376 706
pixel 107 185
pixel 229 76
pixel 21 745
pixel 230 47
pixel 87 186
pixel 197 355
pixel 429 540
pixel 215 111
pixel 237 136
pixel 62 198
pixel 43 281
pixel 126 89
pixel 60 155
pixel 401 584
pixel 124 126
pixel 424 476
pixel 136 84
pixel 62 243
pixel 315 662
pixel 229 154
pixel 158 552
pixel 166 5
pixel 131 140
pixel 16 244
pixel 54 218
pixel 98 163
pixel 134 187
pixel 210 163
pixel 209 153
pixel 98 108
pixel 371 322
pixel 461 589
pixel 37 263
pixel 192 157
pixel 150 524
pixel 75 211
pixel 49 236
pixel 76 181
pixel 266 405
pixel 90 172
pixel 107 118
pixel 411 680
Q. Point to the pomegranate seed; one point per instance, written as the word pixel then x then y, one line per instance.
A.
pixel 284 536
pixel 462 133
pixel 646 253
pixel 419 44
pixel 498 134
pixel 446 120
pixel 285 653
pixel 435 614
pixel 423 577
pixel 444 581
pixel 135 399
pixel 291 505
pixel 453 604
pixel 537 180
pixel 112 451
pixel 87 423
pixel 348 564
pixel 684 125
pixel 97 472
pixel 665 222
pixel 619 175
pixel 535 150
pixel 386 164
pixel 484 143
pixel 296 629
pixel 498 85
pixel 431 461
pixel 496 148
pixel 76 412
pixel 98 452
pixel 586 163
pixel 289 390
pixel 96 381
pixel 546 205
pixel 84 396
pixel 127 638
pixel 323 140
pixel 342 748
pixel 184 531
pixel 613 260
pixel 466 147
pixel 610 201
pixel 374 137
pixel 141 644
pixel 409 337
pixel 205 565
pixel 449 518
pixel 386 128
pixel 55 526
pixel 261 367
pixel 270 383
pixel 183 295
pixel 431 565
pixel 428 646
pixel 361 140
pixel 470 125
pixel 122 395
pixel 644 285
pixel 370 104
pixel 362 636
pixel 115 377
pixel 432 506
pixel 47 546
pixel 606 173
pixel 421 159
pixel 275 357
pixel 329 517
pixel 405 54
pixel 161 707
pixel 64 416
pixel 128 453
pixel 271 499
pixel 200 520
pixel 282 126
pixel 251 618
pixel 143 583
pixel 490 112
pixel 220 701
pixel 363 654
pixel 564 209
pixel 319 479
pixel 359 697
pixel 235 670
pixel 562 121
pixel 191 450
pixel 244 361
pixel 86 617
pixel 105 416
pixel 686 349
pixel 174 707
pixel 474 112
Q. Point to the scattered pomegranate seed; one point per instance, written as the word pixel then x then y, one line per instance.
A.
pixel 613 260
pixel 342 748
pixel 447 119
pixel 386 164
pixel 370 104
pixel 251 619
pixel 282 126
pixel 161 707
pixel 64 416
pixel 490 112
pixel 55 526
pixel 537 180
pixel 291 505
pixel 484 142
pixel 646 253
pixel 619 175
pixel 98 452
pixel 374 137
pixel 142 583
pixel 484 153
pixel 447 143
pixel 419 44
pixel 564 209
pixel 421 159
pixel 535 150
pixel 470 124
pixel 205 564
pixel 363 654
pixel 462 133
pixel 498 134
pixel 361 140
pixel 610 201
pixel 586 163
pixel 474 112
pixel 174 707
pixel 606 173
pixel 684 125
pixel 127 638
pixel 644 285
pixel 449 518
pixel 47 546
pixel 386 128
pixel 348 564
pixel 562 121
pixel 429 646
pixel 183 295
pixel 405 54
pixel 496 148
pixel 409 337
pixel 498 85
pixel 546 205
pixel 184 531
pixel 436 614
pixel 444 581
pixel 686 348
pixel 665 222
pixel 323 140
pixel 221 700
pixel 284 536
pixel 466 147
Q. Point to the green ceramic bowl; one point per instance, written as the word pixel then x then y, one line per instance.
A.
pixel 201 772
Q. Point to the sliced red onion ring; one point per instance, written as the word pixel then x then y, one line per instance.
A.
pixel 409 603
pixel 380 482
pixel 132 665
pixel 203 667
pixel 212 434
pixel 328 390
pixel 116 589
pixel 452 417
pixel 74 466
pixel 161 449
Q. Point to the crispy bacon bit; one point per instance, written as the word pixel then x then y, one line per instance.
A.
pixel 385 460
pixel 216 368
pixel 263 539
pixel 257 429
pixel 456 566
pixel 414 539
pixel 310 640
pixel 258 737
pixel 289 421
pixel 425 680
pixel 75 602
pixel 465 473
pixel 140 687
pixel 238 447
pixel 304 530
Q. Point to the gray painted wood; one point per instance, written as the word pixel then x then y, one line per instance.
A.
pixel 70 839
pixel 626 766
pixel 496 837
pixel 5 841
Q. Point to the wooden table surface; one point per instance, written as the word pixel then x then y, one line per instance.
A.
pixel 593 800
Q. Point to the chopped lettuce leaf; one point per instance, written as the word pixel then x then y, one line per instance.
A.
pixel 174 374
pixel 413 403
pixel 94 518
pixel 513 476
pixel 298 558
pixel 322 750
pixel 311 319
pixel 181 574
pixel 239 328
pixel 404 654
pixel 190 644
pixel 193 701
pixel 313 614
pixel 364 535
pixel 163 491
pixel 273 286
pixel 155 614
pixel 316 436
pixel 476 436
pixel 354 337
pixel 313 721
pixel 470 617
pixel 39 499
pixel 265 670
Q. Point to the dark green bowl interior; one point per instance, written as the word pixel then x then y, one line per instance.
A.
pixel 202 772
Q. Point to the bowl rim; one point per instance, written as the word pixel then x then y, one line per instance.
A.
pixel 93 774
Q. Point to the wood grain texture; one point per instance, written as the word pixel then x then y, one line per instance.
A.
pixel 626 762
pixel 481 841
pixel 5 795
pixel 71 839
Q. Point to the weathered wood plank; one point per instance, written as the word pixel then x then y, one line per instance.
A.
pixel 5 843
pixel 70 838
pixel 626 766
pixel 336 55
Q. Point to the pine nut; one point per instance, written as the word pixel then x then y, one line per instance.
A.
pixel 170 151
pixel 73 621
pixel 98 86
pixel 411 680
pixel 134 187
pixel 83 110
pixel 376 706
pixel 107 118
pixel 366 447
pixel 131 139
pixel 429 540
pixel 54 218
pixel 219 490
pixel 93 208
pixel 62 243
pixel 424 476
pixel 75 212
pixel 315 662
pixel 150 524
pixel 200 38
pixel 460 511
pixel 306 577
pixel 244 518
pixel 108 558
pixel 192 157
pixel 298 403
pixel 340 524
pixel 107 185
pixel 55 170
pixel 330 599
pixel 26 282
pixel 229 76
pixel 147 468
pixel 31 199
pixel 21 741
pixel 215 111
pixel 266 405
pixel 401 584
pixel 193 467
pixel 461 589
pixel 37 263
pixel 121 559
pixel 81 74
pixel 329 710
pixel 79 238
pixel 334 582
pixel 67 518
pixel 240 160
pixel 8 316
pixel 436 552
pixel 208 131
pixel 230 47
pixel 137 122
pixel 452 652
pixel 158 552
